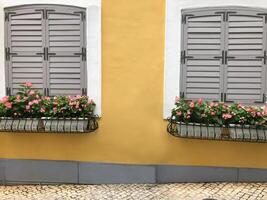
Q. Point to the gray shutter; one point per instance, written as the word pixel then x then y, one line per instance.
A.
pixel 245 70
pixel 25 39
pixel 203 43
pixel 65 41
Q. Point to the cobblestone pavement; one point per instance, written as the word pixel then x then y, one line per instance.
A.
pixel 189 191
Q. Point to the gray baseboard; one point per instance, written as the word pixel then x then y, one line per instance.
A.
pixel 16 171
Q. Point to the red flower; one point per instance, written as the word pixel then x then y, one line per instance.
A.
pixel 192 105
pixel 179 113
pixel 199 101
pixel 28 84
pixel 227 116
pixel 8 104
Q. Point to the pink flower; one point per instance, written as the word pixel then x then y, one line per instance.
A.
pixel 47 98
pixel 31 92
pixel 199 101
pixel 18 98
pixel 179 113
pixel 4 99
pixel 188 116
pixel 42 110
pixel 212 113
pixel 37 96
pixel 8 104
pixel 259 113
pixel 227 116
pixel 211 104
pixel 253 114
pixel 192 105
pixel 28 107
pixel 28 84
pixel 35 101
pixel 239 105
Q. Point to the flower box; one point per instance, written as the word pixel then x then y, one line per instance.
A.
pixel 196 130
pixel 247 132
pixel 218 120
pixel 66 124
pixel 20 124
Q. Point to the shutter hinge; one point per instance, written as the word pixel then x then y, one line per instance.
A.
pixel 84 91
pixel 184 57
pixel 181 94
pixel 264 57
pixel 8 53
pixel 82 14
pixel 45 12
pixel 222 97
pixel 227 15
pixel 223 15
pixel 8 91
pixel 84 54
pixel 263 99
pixel 7 15
pixel 184 17
pixel 264 15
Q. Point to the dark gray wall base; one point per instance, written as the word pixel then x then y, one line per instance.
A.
pixel 57 172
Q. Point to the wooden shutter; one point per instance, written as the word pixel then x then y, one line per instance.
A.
pixel 203 43
pixel 245 69
pixel 66 47
pixel 24 41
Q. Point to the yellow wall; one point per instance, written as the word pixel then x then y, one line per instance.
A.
pixel 132 129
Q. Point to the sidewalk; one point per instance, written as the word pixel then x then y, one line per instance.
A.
pixel 218 191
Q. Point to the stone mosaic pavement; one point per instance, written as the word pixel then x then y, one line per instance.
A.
pixel 189 191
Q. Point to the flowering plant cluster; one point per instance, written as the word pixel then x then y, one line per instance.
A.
pixel 29 103
pixel 218 113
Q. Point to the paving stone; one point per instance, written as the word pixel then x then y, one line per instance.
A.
pixel 186 191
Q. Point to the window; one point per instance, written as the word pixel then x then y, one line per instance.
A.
pixel 46 45
pixel 223 54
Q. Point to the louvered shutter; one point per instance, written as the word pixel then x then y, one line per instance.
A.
pixel 25 39
pixel 203 36
pixel 245 69
pixel 66 60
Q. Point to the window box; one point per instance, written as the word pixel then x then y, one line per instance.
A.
pixel 195 130
pixel 20 124
pixel 218 120
pixel 78 125
pixel 46 124
pixel 210 131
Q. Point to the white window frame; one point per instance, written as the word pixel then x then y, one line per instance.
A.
pixel 173 42
pixel 93 22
